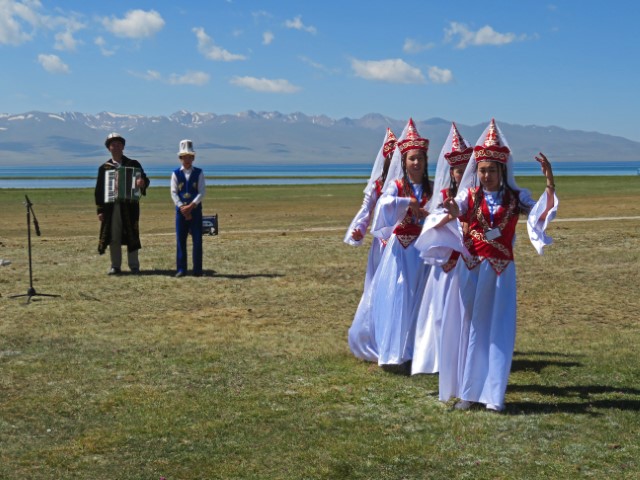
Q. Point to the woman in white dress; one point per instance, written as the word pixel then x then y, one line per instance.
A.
pixel 399 280
pixel 490 201
pixel 361 341
pixel 432 329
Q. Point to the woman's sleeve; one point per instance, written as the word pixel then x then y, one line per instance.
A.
pixel 389 211
pixel 437 242
pixel 362 219
pixel 536 226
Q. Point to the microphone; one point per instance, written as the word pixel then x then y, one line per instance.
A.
pixel 35 220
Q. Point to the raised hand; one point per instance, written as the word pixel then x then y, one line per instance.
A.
pixel 545 166
pixel 451 207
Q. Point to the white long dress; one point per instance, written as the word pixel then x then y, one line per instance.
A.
pixel 429 323
pixel 484 319
pixel 360 336
pixel 399 281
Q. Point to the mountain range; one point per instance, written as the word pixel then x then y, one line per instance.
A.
pixel 254 138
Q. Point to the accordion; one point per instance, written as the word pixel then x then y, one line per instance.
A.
pixel 120 184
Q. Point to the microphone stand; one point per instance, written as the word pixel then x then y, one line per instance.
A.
pixel 31 292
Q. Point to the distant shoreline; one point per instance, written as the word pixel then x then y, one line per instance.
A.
pixel 75 176
pixel 213 177
pixel 273 177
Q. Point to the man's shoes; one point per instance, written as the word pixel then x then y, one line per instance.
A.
pixel 135 271
pixel 113 271
pixel 197 274
pixel 179 274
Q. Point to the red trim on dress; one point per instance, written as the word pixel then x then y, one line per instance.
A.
pixel 378 186
pixel 408 230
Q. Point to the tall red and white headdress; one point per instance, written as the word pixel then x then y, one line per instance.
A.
pixel 389 144
pixel 456 152
pixel 413 140
pixel 459 152
pixel 491 146
pixel 410 139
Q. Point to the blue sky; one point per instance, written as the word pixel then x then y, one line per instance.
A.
pixel 566 63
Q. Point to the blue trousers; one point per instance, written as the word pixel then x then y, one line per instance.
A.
pixel 183 228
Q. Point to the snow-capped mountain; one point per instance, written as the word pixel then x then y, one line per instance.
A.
pixel 250 137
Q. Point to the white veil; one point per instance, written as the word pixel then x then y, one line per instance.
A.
pixel 470 177
pixel 395 167
pixel 442 179
pixel 378 166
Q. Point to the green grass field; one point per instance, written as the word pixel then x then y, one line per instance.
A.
pixel 246 373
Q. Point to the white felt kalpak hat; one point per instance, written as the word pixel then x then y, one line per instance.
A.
pixel 186 148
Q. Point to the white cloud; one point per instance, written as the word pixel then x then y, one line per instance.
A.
pixel 267 38
pixel 413 46
pixel 14 17
pixel 53 64
pixel 65 39
pixel 188 78
pixel 211 51
pixel 440 75
pixel 265 85
pixel 135 24
pixel 100 42
pixel 150 75
pixel 485 36
pixel 260 14
pixel 317 66
pixel 297 24
pixel 391 71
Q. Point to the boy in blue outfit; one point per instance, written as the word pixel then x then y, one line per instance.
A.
pixel 187 192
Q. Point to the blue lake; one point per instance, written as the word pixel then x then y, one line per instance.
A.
pixel 83 176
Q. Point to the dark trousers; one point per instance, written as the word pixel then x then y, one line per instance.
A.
pixel 185 227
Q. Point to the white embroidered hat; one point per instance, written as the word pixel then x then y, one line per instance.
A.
pixel 186 148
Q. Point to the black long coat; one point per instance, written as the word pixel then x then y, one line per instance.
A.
pixel 130 211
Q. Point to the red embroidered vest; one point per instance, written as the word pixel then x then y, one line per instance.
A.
pixel 498 252
pixel 408 230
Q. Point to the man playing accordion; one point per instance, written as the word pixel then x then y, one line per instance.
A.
pixel 119 215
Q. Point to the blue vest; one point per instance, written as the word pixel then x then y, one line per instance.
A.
pixel 188 190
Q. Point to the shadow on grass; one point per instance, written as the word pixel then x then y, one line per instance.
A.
pixel 403 369
pixel 520 364
pixel 207 274
pixel 565 399
pixel 579 391
pixel 587 407
pixel 539 365
pixel 547 354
